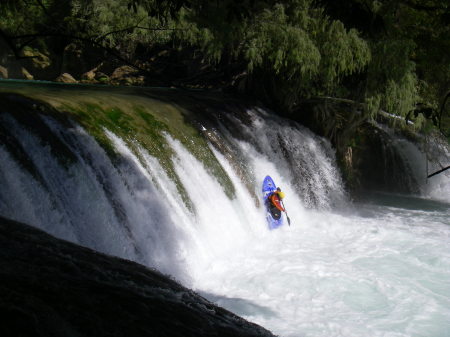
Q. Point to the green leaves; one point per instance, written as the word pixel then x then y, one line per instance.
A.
pixel 291 45
pixel 392 57
pixel 285 48
pixel 344 53
pixel 391 80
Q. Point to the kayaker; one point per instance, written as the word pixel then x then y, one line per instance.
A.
pixel 275 198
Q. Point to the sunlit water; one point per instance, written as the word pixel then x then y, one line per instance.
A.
pixel 375 271
pixel 379 267
pixel 376 268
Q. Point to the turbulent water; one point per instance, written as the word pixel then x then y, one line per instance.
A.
pixel 376 267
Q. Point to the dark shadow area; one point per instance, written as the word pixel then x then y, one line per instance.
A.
pixel 51 287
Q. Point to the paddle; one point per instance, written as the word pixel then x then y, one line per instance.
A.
pixel 287 217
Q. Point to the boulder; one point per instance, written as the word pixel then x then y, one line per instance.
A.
pixel 37 60
pixel 88 76
pixel 65 78
pixel 127 75
pixel 3 72
pixel 25 74
pixel 135 80
pixel 101 77
pixel 122 72
pixel 50 287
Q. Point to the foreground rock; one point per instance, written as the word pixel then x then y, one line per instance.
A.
pixel 51 287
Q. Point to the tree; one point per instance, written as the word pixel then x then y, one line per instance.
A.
pixel 383 55
pixel 52 25
pixel 410 70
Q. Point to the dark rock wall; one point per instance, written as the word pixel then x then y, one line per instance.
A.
pixel 50 287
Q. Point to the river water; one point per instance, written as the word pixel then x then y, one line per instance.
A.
pixel 378 266
pixel 381 268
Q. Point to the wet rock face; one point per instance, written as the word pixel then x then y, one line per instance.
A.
pixel 381 165
pixel 51 287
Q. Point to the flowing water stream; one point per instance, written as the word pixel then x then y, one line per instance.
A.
pixel 376 267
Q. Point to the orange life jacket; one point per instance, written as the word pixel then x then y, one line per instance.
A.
pixel 276 201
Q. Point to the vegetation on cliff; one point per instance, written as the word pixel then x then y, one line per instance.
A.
pixel 380 55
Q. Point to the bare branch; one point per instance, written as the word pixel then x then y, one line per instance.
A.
pixel 131 28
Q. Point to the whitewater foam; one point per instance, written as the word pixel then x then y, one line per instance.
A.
pixel 380 268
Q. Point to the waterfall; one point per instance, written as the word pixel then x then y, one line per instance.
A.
pixel 437 152
pixel 181 193
pixel 306 160
pixel 65 183
pixel 417 160
pixel 396 164
pixel 112 208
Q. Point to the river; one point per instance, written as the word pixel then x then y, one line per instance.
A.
pixel 375 266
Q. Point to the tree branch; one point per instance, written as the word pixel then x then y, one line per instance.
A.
pixel 437 172
pixel 133 28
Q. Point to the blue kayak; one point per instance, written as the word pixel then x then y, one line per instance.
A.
pixel 273 215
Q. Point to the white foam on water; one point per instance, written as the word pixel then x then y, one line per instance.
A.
pixel 335 275
pixel 370 271
pixel 380 269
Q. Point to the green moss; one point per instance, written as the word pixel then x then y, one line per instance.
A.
pixel 135 127
pixel 138 120
pixel 181 129
pixel 87 116
pixel 199 148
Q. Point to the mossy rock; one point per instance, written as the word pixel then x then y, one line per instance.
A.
pixel 102 77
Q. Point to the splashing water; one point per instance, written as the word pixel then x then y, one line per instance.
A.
pixel 379 268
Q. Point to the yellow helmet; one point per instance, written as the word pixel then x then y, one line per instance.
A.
pixel 281 194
